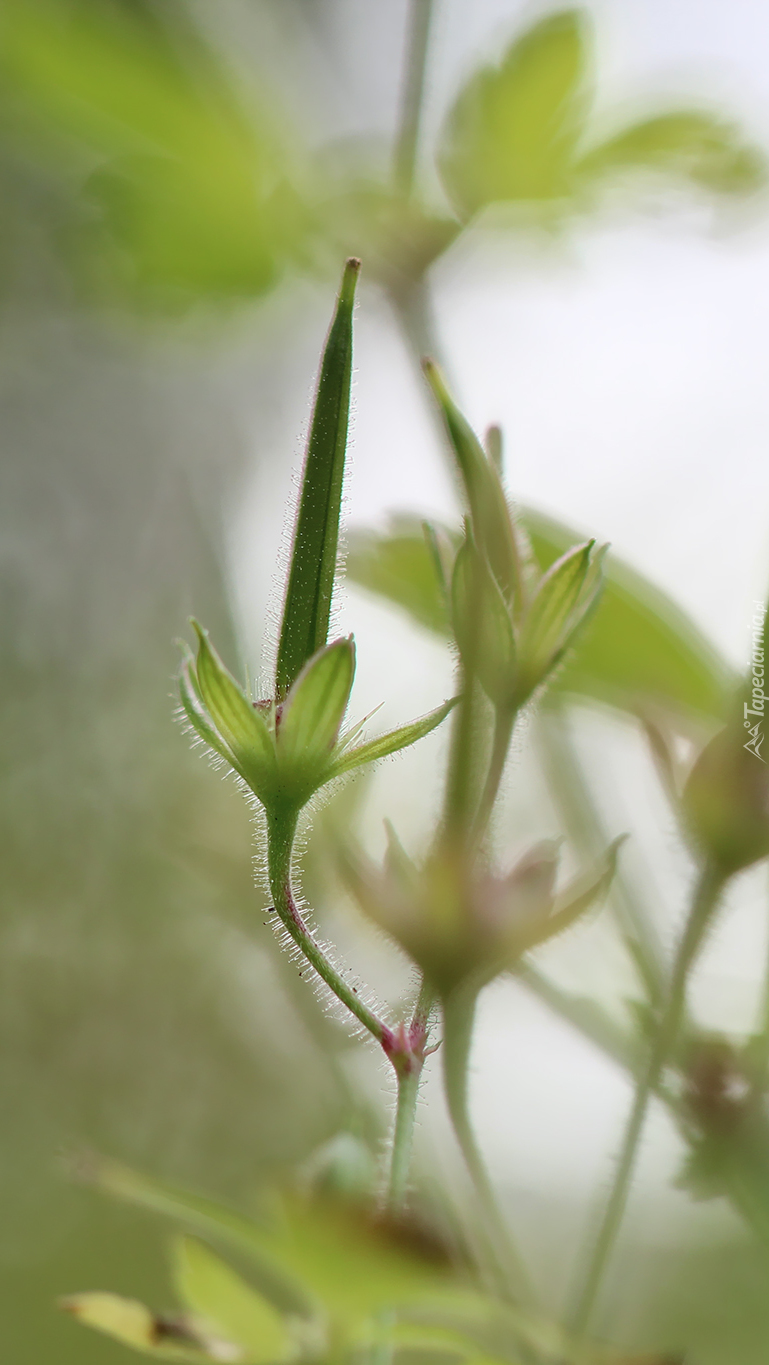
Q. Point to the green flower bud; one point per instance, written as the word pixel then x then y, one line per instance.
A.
pixel 564 598
pixel 483 627
pixel 308 723
pixel 460 923
pixel 726 803
pixel 285 751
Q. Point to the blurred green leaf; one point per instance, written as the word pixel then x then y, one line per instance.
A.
pixel 398 566
pixel 512 132
pixel 129 1322
pixel 304 628
pixel 216 1295
pixel 638 648
pixel 225 1226
pixel 695 144
pixel 188 185
pixel 355 1265
pixel 309 1254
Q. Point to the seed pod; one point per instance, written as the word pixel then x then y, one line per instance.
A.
pixel 307 607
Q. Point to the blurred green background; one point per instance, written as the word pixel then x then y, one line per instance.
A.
pixel 179 186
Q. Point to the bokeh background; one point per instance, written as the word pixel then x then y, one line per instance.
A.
pixel 180 185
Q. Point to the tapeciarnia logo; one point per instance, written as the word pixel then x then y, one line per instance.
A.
pixel 757 703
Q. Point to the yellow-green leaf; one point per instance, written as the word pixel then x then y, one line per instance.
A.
pixel 512 132
pixel 214 1293
pixel 129 1322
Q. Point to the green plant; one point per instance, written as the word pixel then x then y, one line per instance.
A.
pixel 534 617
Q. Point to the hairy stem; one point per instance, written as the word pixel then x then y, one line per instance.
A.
pixel 511 1281
pixel 281 831
pixel 703 906
pixel 403 1136
pixel 412 95
pixel 409 1074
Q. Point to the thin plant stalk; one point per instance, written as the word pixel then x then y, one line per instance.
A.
pixel 576 806
pixel 409 1075
pixel 280 836
pixel 500 748
pixel 511 1280
pixel 412 96
pixel 704 903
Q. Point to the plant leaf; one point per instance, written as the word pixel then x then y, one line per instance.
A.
pixel 638 647
pixel 205 1216
pixel 240 724
pixel 130 1322
pixel 392 742
pixel 399 566
pixel 692 144
pixel 186 194
pixel 545 627
pixel 314 710
pixel 482 626
pixel 492 525
pixel 512 131
pixel 217 1295
pixel 306 611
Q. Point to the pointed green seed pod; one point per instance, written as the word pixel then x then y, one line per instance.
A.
pixel 307 606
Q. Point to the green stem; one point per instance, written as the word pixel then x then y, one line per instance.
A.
pixel 500 746
pixel 403 1136
pixel 468 745
pixel 511 1280
pixel 407 137
pixel 281 831
pixel 703 906
pixel 409 1074
pixel 574 800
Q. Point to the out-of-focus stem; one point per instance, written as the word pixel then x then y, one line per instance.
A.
pixel 412 96
pixel 511 1279
pixel 500 746
pixel 576 806
pixel 703 906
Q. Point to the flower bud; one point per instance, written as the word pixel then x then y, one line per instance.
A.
pixel 726 803
pixel 462 924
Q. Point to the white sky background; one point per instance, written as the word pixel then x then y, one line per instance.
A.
pixel 630 371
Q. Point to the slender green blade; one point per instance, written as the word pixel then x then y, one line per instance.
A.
pixel 691 144
pixel 392 742
pixel 307 607
pixel 555 600
pixel 491 521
